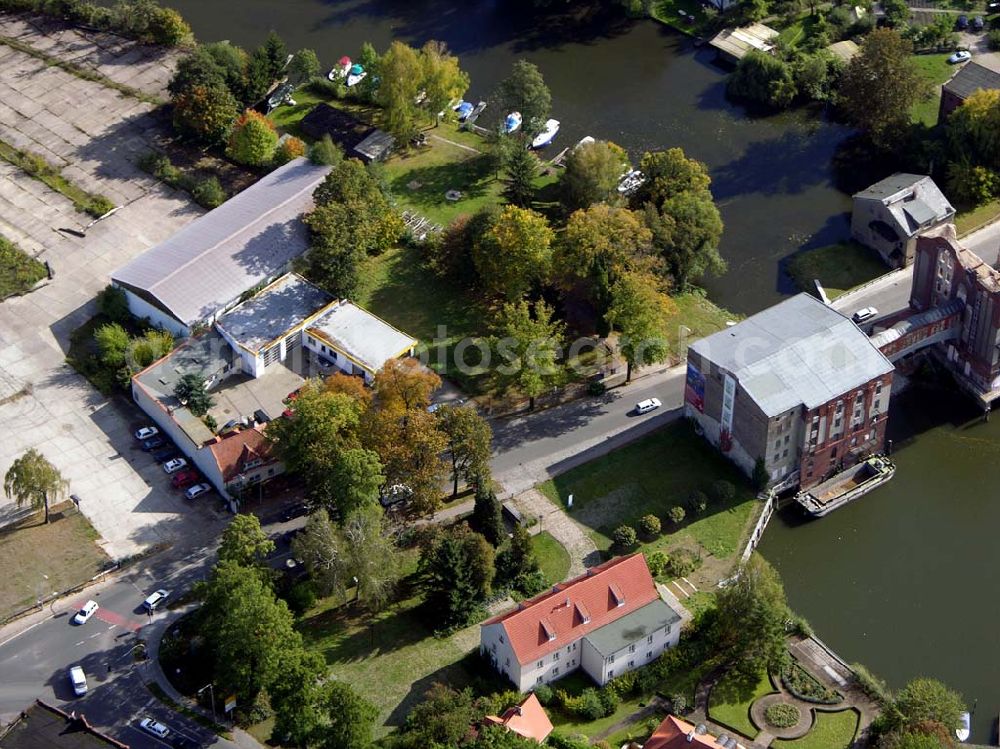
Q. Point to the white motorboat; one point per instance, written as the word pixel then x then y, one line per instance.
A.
pixel 964 729
pixel 355 75
pixel 631 181
pixel 512 122
pixel 584 141
pixel 548 133
pixel 341 70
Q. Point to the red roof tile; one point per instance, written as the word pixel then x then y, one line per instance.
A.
pixel 554 619
pixel 233 452
pixel 527 719
pixel 673 733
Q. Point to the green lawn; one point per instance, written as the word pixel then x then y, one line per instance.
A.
pixel 694 317
pixel 669 12
pixel 969 220
pixel 399 288
pixel 936 70
pixel 839 267
pixel 732 709
pixel 651 476
pixel 552 557
pixel 830 731
pixel 793 35
pixel 18 271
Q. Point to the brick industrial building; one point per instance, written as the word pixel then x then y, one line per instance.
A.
pixel 798 385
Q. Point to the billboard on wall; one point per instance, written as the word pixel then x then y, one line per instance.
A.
pixel 694 387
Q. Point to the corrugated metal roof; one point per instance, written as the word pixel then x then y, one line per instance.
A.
pixel 361 335
pixel 246 241
pixel 798 352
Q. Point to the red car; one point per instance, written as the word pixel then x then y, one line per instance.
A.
pixel 183 479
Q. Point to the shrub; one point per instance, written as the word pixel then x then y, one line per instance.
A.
pixel 656 562
pixel 650 526
pixel 761 476
pixel 98 205
pixel 544 694
pixel 624 684
pixel 679 703
pixel 782 715
pixel 723 492
pixel 609 699
pixel 624 537
pixel 596 387
pixel 301 597
pixel 871 685
pixel 800 683
pixel 531 583
pixel 208 193
pixel 290 148
pixel 323 86
pixel 697 502
pixel 325 152
pixel 253 139
pixel 168 27
pixel 676 515
pixel 993 39
pixel 113 304
pixel 681 563
pixel 587 704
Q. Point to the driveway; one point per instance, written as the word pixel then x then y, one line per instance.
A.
pixel 94 133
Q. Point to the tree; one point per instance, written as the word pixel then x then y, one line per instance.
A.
pixel 469 444
pixel 369 59
pixel 294 696
pixel 624 537
pixel 676 514
pixel 487 515
pixel 449 253
pixel 113 304
pixel 761 477
pixel 523 91
pixel 404 385
pixel 325 152
pixel 113 343
pixel 168 27
pixel 273 50
pixel 514 253
pixel 974 129
pixel 304 65
pixel 928 700
pixel 350 718
pixel 669 173
pixel 152 345
pixel 528 343
pixel 245 543
pixel 198 68
pixel 592 173
pixel 522 168
pixel 32 480
pixel 639 312
pixel 441 719
pixel 686 231
pixel 816 75
pixel 442 80
pixel 410 447
pixel 288 149
pixel 763 79
pixel 458 568
pixel 971 184
pixel 880 85
pixel 748 631
pixel 230 63
pixel 190 391
pixel 400 69
pixel 897 12
pixel 253 140
pixel 205 113
pixel 650 526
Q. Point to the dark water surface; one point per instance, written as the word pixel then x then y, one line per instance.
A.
pixel 636 83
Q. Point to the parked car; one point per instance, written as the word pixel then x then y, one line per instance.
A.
pixel 864 315
pixel 963 22
pixel 197 490
pixel 961 56
pixel 650 404
pixel 149 725
pixel 978 23
pixel 79 681
pixel 174 464
pixel 85 612
pixel 164 454
pixel 296 510
pixel 153 600
pixel 152 443
pixel 183 479
pixel 144 433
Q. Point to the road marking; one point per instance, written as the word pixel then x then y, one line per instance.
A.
pixel 96 634
pixel 114 619
pixel 26 629
pixel 79 643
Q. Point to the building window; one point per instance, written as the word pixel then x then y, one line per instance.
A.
pixel 501 639
pixel 878 389
pixel 574 646
pixel 787 437
pixel 555 656
pixel 631 648
pixel 649 654
pixel 631 664
pixel 833 453
pixel 611 658
pixel 611 673
pixel 777 444
pixel 649 639
pixel 567 648
pixel 541 663
pixel 538 680
pixel 555 671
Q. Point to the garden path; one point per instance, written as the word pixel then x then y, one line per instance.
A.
pixel 582 551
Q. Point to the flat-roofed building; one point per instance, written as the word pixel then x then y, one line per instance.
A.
pixel 734 44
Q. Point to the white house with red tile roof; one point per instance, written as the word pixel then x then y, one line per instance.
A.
pixel 528 720
pixel 674 733
pixel 607 621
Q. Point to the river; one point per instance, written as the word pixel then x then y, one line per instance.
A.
pixel 636 83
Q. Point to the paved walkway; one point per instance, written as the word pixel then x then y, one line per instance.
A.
pixel 583 552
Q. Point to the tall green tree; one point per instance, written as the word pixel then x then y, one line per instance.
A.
pixel 639 312
pixel 487 515
pixel 401 71
pixel 669 173
pixel 32 480
pixel 190 391
pixel 245 543
pixel 469 444
pixel 523 91
pixel 763 79
pixel 928 700
pixel 522 169
pixel 442 80
pixel 304 65
pixel 974 129
pixel 205 112
pixel 458 568
pixel 275 53
pixel 350 719
pixel 686 231
pixel 112 343
pixel 295 694
pixel 252 140
pixel 592 173
pixel 441 719
pixel 517 558
pixel 514 253
pixel 880 85
pixel 528 343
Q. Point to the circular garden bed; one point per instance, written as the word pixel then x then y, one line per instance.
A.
pixel 782 715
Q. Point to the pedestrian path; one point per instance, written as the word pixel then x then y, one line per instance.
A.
pixel 582 551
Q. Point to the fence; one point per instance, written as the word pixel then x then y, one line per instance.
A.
pixel 758 529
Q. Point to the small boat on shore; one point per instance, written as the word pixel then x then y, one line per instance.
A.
pixel 547 135
pixel 282 95
pixel 341 69
pixel 631 181
pixel 586 140
pixel 463 110
pixel 355 75
pixel 963 731
pixel 512 122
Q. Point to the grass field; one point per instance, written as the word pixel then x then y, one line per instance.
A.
pixel 18 271
pixel 830 731
pixel 694 316
pixel 936 70
pixel 733 710
pixel 670 13
pixel 552 557
pixel 796 33
pixel 970 220
pixel 651 476
pixel 65 550
pixel 839 267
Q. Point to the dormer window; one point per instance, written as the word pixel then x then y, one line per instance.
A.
pixel 548 629
pixel 617 595
pixel 583 613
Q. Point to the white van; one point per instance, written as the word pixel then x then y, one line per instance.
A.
pixel 79 681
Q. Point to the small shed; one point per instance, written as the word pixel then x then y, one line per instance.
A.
pixel 845 50
pixel 376 147
pixel 734 44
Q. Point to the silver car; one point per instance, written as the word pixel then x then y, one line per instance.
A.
pixel 151 726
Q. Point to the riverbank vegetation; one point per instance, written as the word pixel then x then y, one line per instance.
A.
pixel 19 272
pixel 839 268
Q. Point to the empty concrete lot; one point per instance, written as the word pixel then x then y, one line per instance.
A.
pixel 94 133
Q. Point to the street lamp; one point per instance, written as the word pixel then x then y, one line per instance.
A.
pixel 211 694
pixel 40 594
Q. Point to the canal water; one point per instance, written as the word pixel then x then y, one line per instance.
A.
pixel 636 83
pixel 904 580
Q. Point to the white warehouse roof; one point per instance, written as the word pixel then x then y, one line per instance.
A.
pixel 249 239
pixel 797 352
